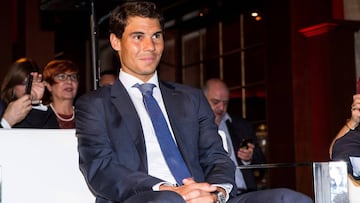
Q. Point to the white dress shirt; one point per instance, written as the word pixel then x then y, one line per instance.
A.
pixel 228 146
pixel 157 166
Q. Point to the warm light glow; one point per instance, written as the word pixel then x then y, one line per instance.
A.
pixel 256 15
pixel 258 18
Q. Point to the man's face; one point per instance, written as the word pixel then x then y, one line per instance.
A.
pixel 107 79
pixel 218 97
pixel 140 47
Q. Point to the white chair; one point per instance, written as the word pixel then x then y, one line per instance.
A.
pixel 41 166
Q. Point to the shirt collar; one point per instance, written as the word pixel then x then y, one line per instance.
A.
pixel 222 125
pixel 226 117
pixel 129 81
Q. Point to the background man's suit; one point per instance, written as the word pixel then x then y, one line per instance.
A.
pixel 241 129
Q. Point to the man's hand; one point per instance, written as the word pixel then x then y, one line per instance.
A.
pixel 246 154
pixel 17 110
pixel 194 192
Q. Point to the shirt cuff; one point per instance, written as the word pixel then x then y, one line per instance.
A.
pixel 5 124
pixel 157 186
pixel 245 162
pixel 227 187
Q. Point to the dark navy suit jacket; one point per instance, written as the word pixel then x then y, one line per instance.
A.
pixel 111 145
pixel 240 129
pixel 39 119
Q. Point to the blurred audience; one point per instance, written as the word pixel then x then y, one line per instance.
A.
pixel 62 81
pixel 15 104
pixel 107 77
pixel 57 91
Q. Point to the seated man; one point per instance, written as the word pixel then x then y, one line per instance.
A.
pixel 121 129
pixel 234 131
pixel 239 134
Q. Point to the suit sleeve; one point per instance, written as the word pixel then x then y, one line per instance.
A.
pixel 217 165
pixel 109 172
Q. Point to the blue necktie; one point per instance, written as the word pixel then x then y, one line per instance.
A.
pixel 168 147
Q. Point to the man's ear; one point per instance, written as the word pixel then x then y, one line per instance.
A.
pixel 115 42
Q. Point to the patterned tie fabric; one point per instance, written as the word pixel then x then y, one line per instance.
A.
pixel 168 147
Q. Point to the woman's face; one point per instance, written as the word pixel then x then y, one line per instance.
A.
pixel 65 86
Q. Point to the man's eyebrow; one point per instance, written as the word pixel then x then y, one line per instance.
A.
pixel 142 33
pixel 159 32
pixel 137 33
pixel 215 100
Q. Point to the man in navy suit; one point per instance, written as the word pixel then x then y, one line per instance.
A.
pixel 119 154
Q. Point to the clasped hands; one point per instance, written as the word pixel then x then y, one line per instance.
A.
pixel 194 192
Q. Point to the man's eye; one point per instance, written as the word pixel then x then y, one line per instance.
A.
pixel 157 36
pixel 138 37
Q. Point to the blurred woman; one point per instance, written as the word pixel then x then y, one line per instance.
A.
pixel 62 81
pixel 16 105
pixel 346 145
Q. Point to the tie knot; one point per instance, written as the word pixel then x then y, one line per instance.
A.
pixel 146 88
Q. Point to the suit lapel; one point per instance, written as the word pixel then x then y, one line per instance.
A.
pixel 234 138
pixel 128 115
pixel 173 99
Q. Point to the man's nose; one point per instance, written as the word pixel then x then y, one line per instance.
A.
pixel 149 44
pixel 221 105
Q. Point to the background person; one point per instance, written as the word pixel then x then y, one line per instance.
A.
pixel 16 105
pixel 107 77
pixel 62 82
pixel 235 131
pixel 346 145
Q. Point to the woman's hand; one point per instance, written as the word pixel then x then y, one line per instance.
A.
pixel 38 87
pixel 17 110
